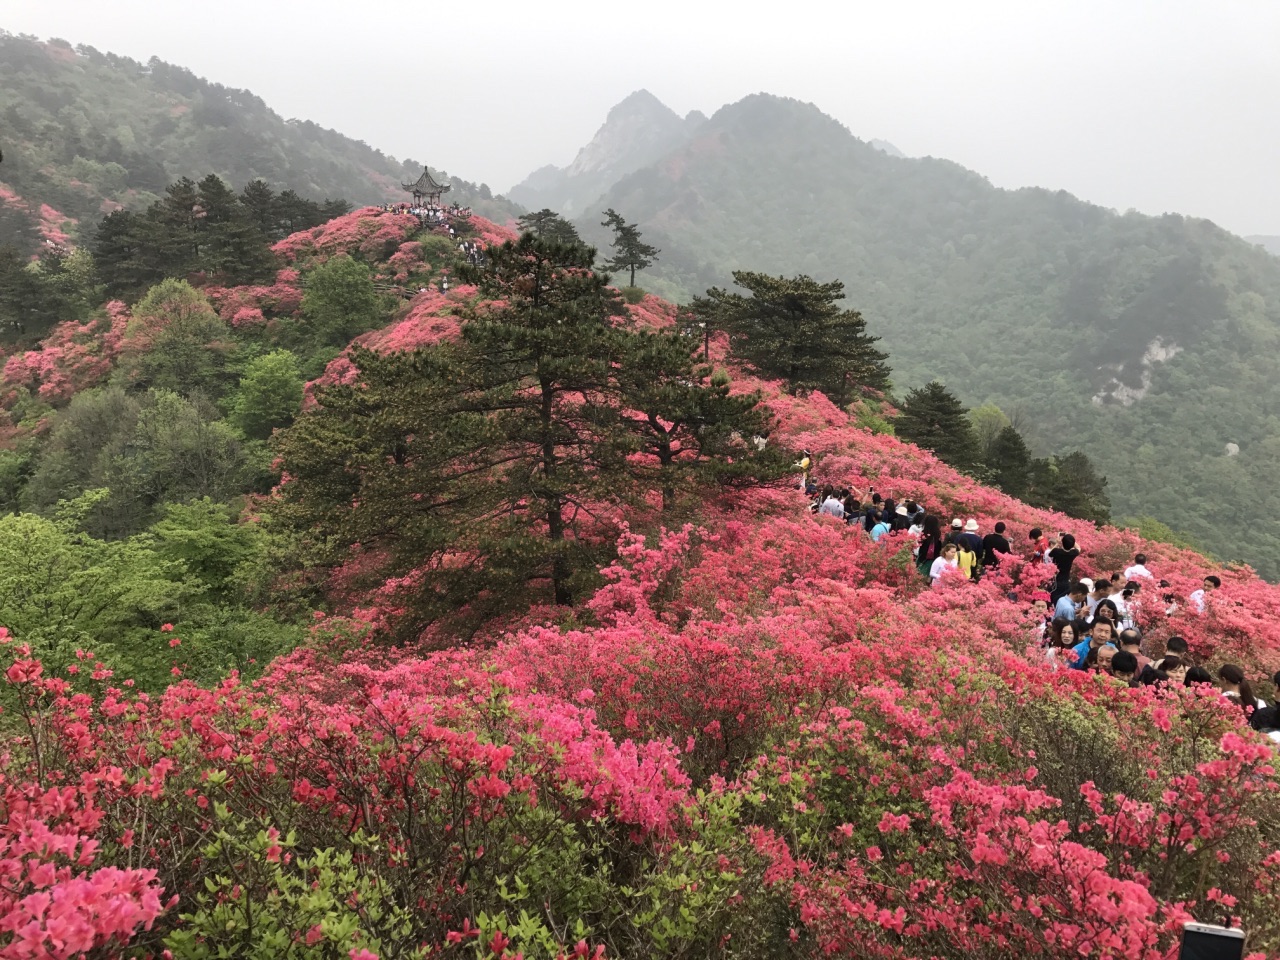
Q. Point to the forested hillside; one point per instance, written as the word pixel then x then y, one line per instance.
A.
pixel 1147 342
pixel 85 132
pixel 426 595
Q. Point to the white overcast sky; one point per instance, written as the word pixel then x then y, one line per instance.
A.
pixel 1159 105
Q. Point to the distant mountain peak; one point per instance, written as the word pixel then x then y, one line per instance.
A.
pixel 638 130
pixel 884 146
pixel 639 101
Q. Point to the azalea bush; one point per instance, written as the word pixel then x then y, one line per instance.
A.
pixel 813 763
pixel 760 735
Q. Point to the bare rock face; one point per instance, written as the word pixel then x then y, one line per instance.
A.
pixel 636 132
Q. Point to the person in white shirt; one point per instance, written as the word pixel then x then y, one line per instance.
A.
pixel 1211 583
pixel 1101 590
pixel 1138 568
pixel 945 561
pixel 832 506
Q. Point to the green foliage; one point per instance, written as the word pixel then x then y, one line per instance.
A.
pixel 61 589
pixel 185 339
pixel 1077 489
pixel 548 225
pixel 340 301
pixel 1010 463
pixel 148 450
pixel 36 294
pixel 868 414
pixel 1149 528
pixel 632 295
pixel 792 329
pixel 225 635
pixel 260 904
pixel 932 417
pixel 193 229
pixel 270 394
pixel 987 421
pixel 629 251
pixel 206 539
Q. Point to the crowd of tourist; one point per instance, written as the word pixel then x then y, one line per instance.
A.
pixel 430 214
pixel 1080 623
pixel 472 251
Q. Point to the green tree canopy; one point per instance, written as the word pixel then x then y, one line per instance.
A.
pixel 685 418
pixel 792 329
pixel 147 450
pixel 629 251
pixel 1009 461
pixel 270 394
pixel 185 339
pixel 932 417
pixel 340 301
pixel 546 224
pixel 205 538
pixel 61 589
pixel 1078 490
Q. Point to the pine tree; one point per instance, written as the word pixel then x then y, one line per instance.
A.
pixel 476 469
pixel 1009 461
pixel 395 465
pixel 233 248
pixel 546 363
pixel 548 225
pixel 126 250
pixel 294 213
pixel 177 218
pixel 689 424
pixel 932 417
pixel 1078 490
pixel 793 330
pixel 629 251
pixel 259 201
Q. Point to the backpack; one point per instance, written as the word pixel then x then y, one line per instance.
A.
pixel 967 558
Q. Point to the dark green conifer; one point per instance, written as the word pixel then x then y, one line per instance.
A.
pixel 932 417
pixel 791 328
pixel 629 251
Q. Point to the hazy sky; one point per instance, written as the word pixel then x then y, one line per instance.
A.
pixel 1159 105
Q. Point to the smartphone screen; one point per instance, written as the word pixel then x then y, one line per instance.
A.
pixel 1203 942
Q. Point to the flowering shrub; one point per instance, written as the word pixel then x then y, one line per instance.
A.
pixel 761 736
pixel 51 224
pixel 72 357
pixel 368 232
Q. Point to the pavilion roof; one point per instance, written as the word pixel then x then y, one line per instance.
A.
pixel 426 184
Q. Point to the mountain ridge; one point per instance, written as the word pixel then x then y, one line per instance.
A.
pixel 89 132
pixel 1101 329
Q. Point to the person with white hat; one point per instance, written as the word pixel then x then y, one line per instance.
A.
pixel 970 539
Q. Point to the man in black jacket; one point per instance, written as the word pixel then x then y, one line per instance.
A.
pixel 993 544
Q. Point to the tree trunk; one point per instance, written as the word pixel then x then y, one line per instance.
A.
pixel 560 570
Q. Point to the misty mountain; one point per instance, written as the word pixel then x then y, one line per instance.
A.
pixel 884 146
pixel 636 132
pixel 1150 343
pixel 1270 244
pixel 86 132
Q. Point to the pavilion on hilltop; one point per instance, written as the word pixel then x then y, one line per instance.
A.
pixel 426 188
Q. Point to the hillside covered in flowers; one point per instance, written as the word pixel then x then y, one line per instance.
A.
pixel 751 732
